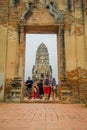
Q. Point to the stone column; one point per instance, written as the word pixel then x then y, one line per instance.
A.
pixel 58 55
pixel 62 51
pixel 21 49
pixel 17 52
pixel 61 58
pixel 21 58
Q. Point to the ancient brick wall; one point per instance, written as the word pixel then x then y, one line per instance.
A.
pixel 75 33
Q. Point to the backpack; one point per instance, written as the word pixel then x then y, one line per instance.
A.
pixel 46 81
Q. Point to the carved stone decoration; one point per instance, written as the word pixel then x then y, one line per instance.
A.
pixel 58 14
pixel 54 11
pixel 28 10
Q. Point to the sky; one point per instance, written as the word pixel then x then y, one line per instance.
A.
pixel 32 43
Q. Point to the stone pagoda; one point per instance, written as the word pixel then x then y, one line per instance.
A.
pixel 41 67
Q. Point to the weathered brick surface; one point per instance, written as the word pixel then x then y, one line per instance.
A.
pixel 43 117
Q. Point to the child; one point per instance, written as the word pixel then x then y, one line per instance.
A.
pixel 34 92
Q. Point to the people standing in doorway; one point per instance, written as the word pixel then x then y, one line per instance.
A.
pixel 46 87
pixel 29 84
pixel 54 88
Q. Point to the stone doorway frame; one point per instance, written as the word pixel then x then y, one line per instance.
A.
pixel 42 29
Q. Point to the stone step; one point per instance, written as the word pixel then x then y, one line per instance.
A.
pixel 40 101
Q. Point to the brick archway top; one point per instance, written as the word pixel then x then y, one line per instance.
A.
pixel 50 5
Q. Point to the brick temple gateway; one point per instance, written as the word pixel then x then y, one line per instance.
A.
pixel 68 20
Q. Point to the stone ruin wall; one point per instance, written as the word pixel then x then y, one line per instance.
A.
pixel 75 39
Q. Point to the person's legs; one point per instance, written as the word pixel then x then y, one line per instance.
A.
pixel 48 92
pixel 53 94
pixel 29 93
pixel 45 92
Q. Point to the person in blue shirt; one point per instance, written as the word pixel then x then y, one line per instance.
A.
pixel 29 84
